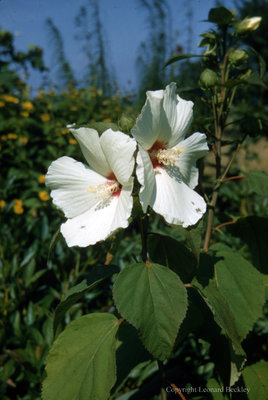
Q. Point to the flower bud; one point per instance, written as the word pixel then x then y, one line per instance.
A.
pixel 237 56
pixel 208 78
pixel 247 25
pixel 126 123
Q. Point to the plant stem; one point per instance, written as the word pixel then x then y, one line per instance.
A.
pixel 143 231
pixel 163 379
pixel 214 199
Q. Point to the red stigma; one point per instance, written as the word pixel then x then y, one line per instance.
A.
pixel 112 178
pixel 152 153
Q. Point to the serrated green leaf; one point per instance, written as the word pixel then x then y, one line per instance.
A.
pixel 96 275
pixel 229 288
pixel 237 281
pixel 154 300
pixel 258 182
pixel 256 380
pixel 167 251
pixel 81 364
pixel 253 231
pixel 222 314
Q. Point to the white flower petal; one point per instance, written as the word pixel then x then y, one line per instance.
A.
pixel 194 147
pixel 118 149
pixel 69 180
pixel 146 177
pixel 175 201
pixel 99 222
pixel 179 114
pixel 89 142
pixel 151 120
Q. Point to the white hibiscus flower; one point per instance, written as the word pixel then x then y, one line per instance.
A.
pixel 166 160
pixel 96 198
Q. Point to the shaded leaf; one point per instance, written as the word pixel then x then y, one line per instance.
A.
pixel 258 182
pixel 167 251
pixel 228 285
pixel 130 352
pixel 95 276
pixel 255 79
pixel 237 281
pixel 179 57
pixel 154 300
pixel 81 364
pixel 253 231
pixel 256 380
pixel 220 16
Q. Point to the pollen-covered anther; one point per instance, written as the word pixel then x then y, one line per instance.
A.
pixel 168 157
pixel 105 190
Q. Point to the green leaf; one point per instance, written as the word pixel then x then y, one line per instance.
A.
pixel 167 251
pixel 95 276
pixel 237 281
pixel 222 314
pixel 81 364
pixel 130 352
pixel 255 79
pixel 253 231
pixel 220 16
pixel 256 380
pixel 194 237
pixel 154 300
pixel 103 126
pixel 179 57
pixel 237 364
pixel 53 242
pixel 258 182
pixel 228 285
pixel 216 390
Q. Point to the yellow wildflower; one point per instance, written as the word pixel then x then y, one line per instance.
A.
pixel 65 131
pixel 107 120
pixel 2 204
pixel 23 140
pixel 3 137
pixel 58 124
pixel 41 178
pixel 27 105
pixel 43 195
pixel 72 141
pixel 12 136
pixel 24 114
pixel 45 117
pixel 17 207
pixel 9 99
pixel 2 103
pixel 73 108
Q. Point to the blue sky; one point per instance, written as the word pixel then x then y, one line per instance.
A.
pixel 124 23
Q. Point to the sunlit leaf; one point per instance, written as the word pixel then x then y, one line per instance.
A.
pixel 154 300
pixel 256 380
pixel 81 364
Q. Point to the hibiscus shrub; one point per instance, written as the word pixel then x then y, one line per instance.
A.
pixel 153 284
